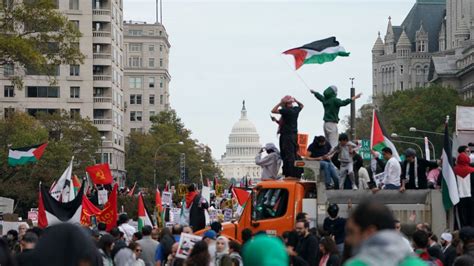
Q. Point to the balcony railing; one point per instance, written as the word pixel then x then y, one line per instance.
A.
pixel 101 33
pixel 101 12
pixel 102 121
pixel 102 99
pixel 102 77
pixel 101 56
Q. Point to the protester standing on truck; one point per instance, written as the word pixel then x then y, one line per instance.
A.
pixel 271 163
pixel 392 171
pixel 414 171
pixel 331 106
pixel 345 150
pixel 317 151
pixel 289 134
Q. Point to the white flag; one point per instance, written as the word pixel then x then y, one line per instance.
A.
pixel 63 189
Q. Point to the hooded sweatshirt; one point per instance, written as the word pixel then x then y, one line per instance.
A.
pixel 271 163
pixel 331 104
pixel 385 244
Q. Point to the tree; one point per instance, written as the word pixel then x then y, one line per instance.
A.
pixel 34 35
pixel 66 136
pixel 423 108
pixel 157 153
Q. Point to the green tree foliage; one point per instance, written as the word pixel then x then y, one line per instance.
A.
pixel 35 35
pixel 423 108
pixel 66 136
pixel 158 152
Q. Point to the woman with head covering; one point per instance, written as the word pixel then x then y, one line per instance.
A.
pixel 222 252
pixel 199 255
pixel 270 163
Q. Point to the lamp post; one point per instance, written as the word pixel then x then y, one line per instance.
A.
pixel 102 139
pixel 395 135
pixel 353 109
pixel 154 157
pixel 410 143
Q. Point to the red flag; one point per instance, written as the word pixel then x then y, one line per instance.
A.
pixel 130 193
pixel 42 220
pixel 158 203
pixel 100 174
pixel 108 215
pixel 241 195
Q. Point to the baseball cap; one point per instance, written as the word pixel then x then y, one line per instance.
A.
pixel 210 234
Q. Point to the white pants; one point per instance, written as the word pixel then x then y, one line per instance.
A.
pixel 346 169
pixel 331 134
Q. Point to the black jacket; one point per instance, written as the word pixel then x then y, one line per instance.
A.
pixel 449 256
pixel 423 167
pixel 436 252
pixel 308 249
pixel 334 260
pixel 197 218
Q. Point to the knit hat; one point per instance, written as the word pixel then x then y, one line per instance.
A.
pixel 265 250
pixel 334 88
pixel 447 236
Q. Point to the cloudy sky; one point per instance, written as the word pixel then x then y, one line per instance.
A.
pixel 226 51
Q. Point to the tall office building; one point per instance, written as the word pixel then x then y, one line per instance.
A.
pixel 93 89
pixel 147 78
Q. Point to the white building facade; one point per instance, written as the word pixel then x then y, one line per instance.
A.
pixel 244 144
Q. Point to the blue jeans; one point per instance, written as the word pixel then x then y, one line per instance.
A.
pixel 330 174
pixel 391 186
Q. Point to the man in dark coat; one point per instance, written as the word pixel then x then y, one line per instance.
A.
pixel 414 171
pixel 449 250
pixel 196 205
pixel 308 245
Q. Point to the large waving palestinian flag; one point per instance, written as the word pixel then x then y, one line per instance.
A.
pixel 51 211
pixel 379 138
pixel 449 189
pixel 317 52
pixel 24 155
pixel 143 217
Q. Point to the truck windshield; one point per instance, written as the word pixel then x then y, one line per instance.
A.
pixel 269 203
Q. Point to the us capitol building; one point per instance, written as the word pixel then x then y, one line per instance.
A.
pixel 244 143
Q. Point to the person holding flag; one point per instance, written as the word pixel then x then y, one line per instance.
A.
pixel 195 206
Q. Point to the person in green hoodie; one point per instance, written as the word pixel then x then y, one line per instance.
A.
pixel 331 105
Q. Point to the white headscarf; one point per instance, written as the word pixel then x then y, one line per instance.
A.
pixel 226 246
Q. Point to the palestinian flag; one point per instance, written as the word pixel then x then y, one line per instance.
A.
pixel 76 184
pixel 241 195
pixel 143 217
pixel 379 138
pixel 24 155
pixel 449 189
pixel 317 52
pixel 51 211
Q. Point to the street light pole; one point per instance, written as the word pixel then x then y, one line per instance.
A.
pixel 353 109
pixel 410 143
pixel 102 139
pixel 395 135
pixel 154 158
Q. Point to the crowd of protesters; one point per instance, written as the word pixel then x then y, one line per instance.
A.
pixel 369 236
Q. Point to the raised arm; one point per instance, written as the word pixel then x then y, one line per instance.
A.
pixel 301 105
pixel 348 100
pixel 318 95
pixel 275 109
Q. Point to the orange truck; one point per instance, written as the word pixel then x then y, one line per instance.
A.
pixel 273 205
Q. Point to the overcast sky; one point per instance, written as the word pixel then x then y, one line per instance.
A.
pixel 223 52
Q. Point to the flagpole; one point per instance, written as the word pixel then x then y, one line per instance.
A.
pixel 296 72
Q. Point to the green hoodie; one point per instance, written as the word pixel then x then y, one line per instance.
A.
pixel 331 104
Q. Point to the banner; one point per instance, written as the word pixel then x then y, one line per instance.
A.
pixel 102 196
pixel 167 199
pixel 108 215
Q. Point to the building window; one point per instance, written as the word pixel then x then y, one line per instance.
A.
pixel 401 69
pixel 161 62
pixel 135 116
pixel 50 70
pixel 161 83
pixel 75 113
pixel 75 23
pixel 42 92
pixel 151 62
pixel 135 32
pixel 74 4
pixel 152 114
pixel 151 82
pixel 401 85
pixel 135 99
pixel 74 70
pixel 135 61
pixel 75 92
pixel 161 48
pixel 8 112
pixel 8 91
pixel 8 69
pixel 151 48
pixel 135 82
pixel 152 99
pixel 151 32
pixel 161 99
pixel 135 47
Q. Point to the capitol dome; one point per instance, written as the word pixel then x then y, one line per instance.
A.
pixel 244 144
